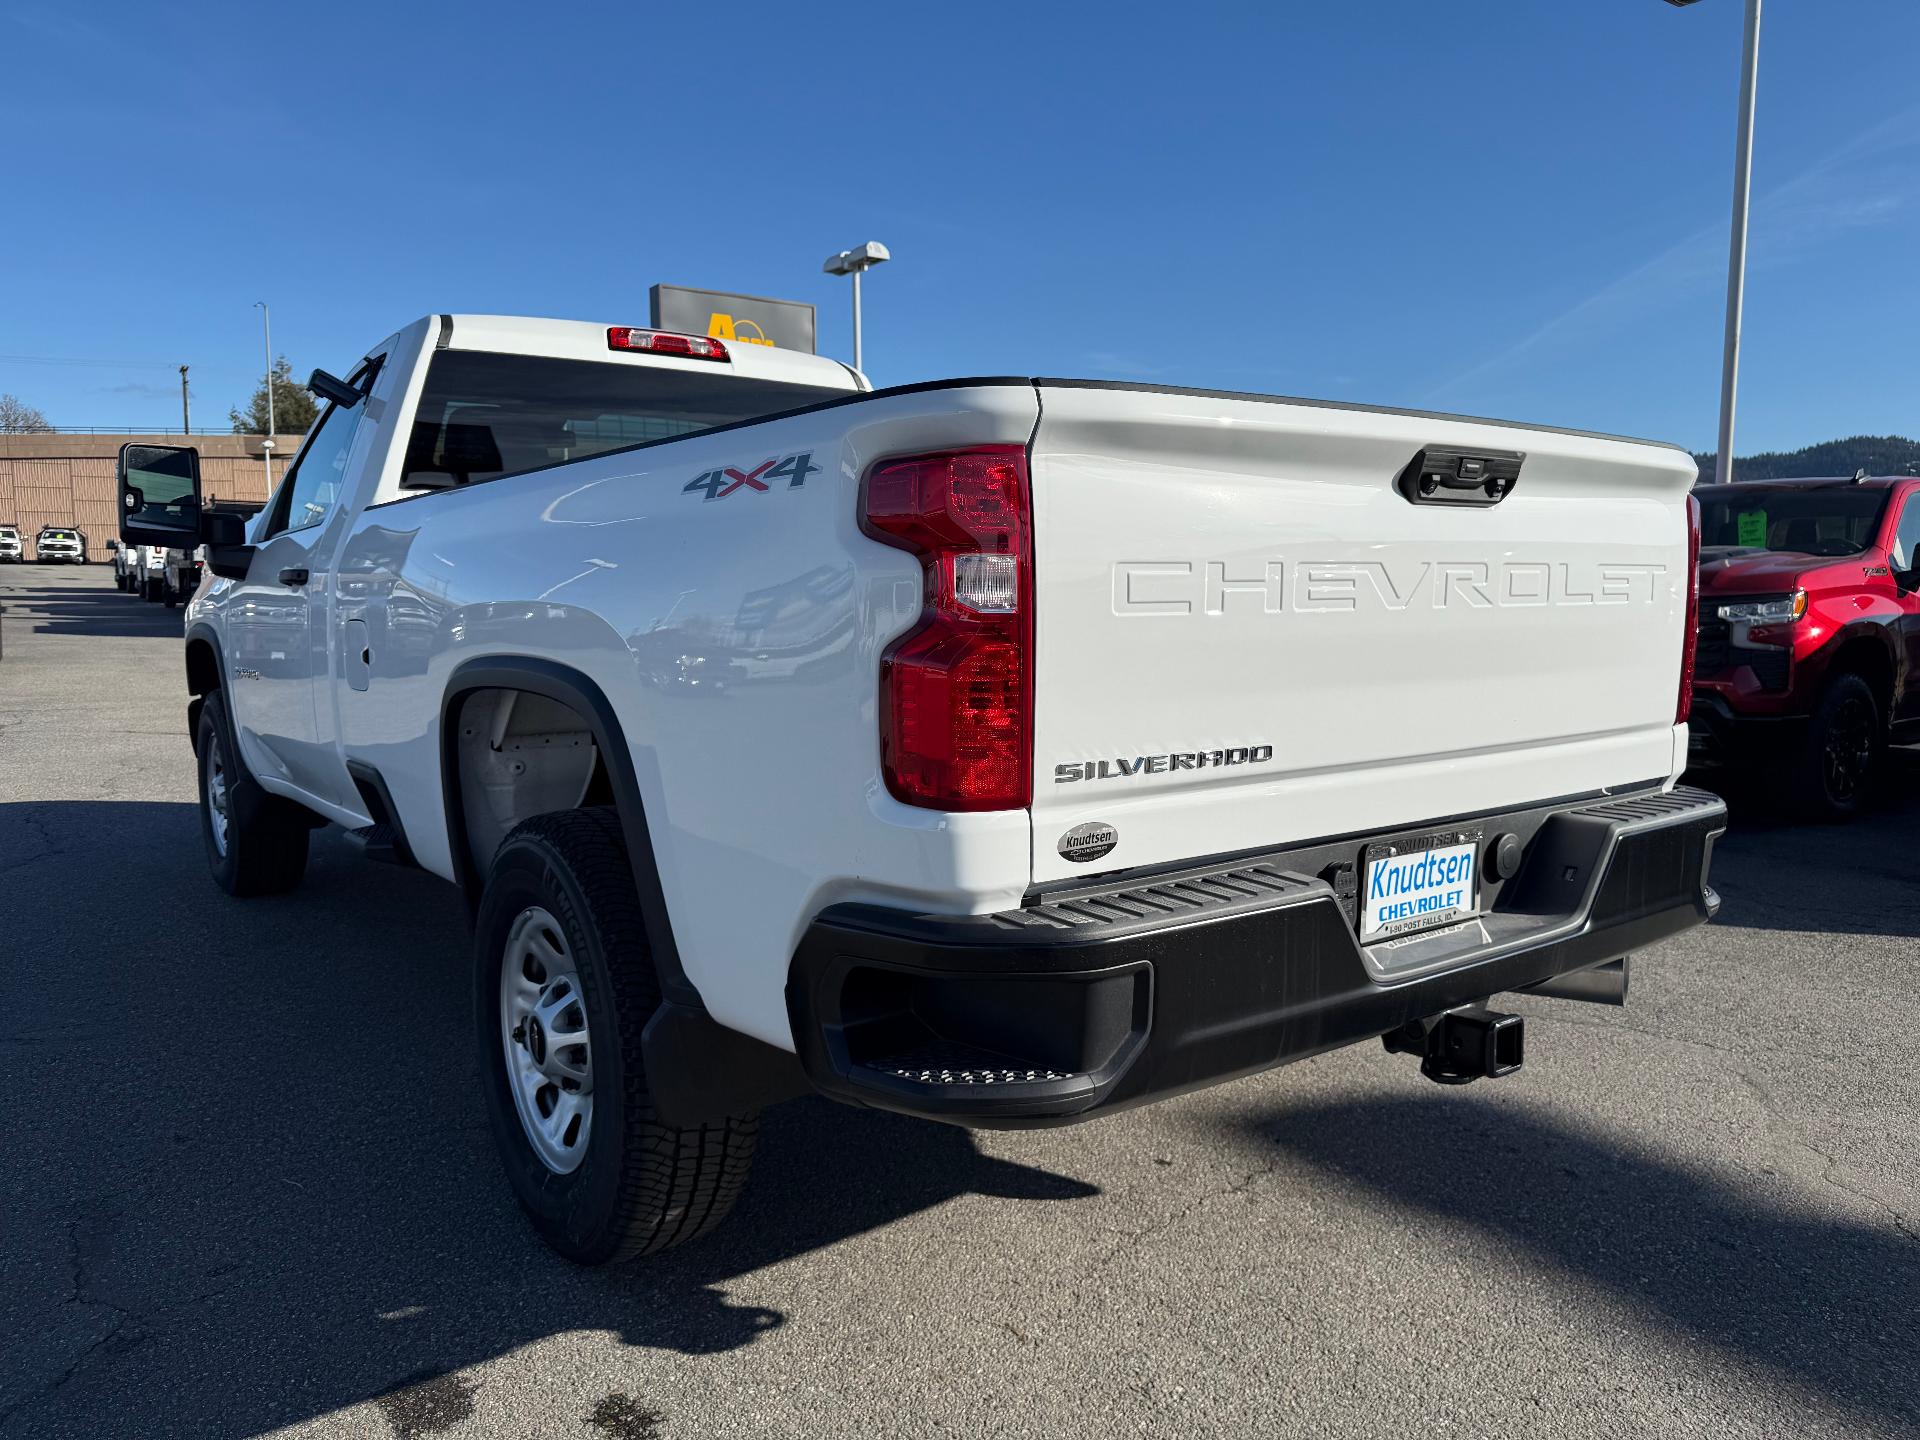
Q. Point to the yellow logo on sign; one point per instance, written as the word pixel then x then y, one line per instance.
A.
pixel 725 327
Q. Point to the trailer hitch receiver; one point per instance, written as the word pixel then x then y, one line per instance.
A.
pixel 1462 1045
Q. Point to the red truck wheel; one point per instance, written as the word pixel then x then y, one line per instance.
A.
pixel 1840 758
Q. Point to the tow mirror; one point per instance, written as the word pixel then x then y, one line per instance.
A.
pixel 160 495
pixel 331 387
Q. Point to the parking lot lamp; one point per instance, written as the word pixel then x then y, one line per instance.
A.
pixel 1737 246
pixel 266 334
pixel 857 262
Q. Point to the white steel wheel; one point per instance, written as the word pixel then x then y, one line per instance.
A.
pixel 543 1033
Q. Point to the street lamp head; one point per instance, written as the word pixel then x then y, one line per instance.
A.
pixel 851 262
pixel 1682 4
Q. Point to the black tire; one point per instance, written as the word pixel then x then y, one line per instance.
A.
pixel 265 847
pixel 167 595
pixel 1840 758
pixel 639 1186
pixel 119 581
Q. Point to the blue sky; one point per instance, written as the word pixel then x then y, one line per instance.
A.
pixel 1502 207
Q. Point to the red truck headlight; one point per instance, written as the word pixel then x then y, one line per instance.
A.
pixel 956 691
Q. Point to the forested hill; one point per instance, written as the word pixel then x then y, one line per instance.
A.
pixel 1875 454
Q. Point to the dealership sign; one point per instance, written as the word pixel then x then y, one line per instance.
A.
pixel 747 319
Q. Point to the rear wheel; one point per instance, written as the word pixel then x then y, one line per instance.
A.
pixel 256 843
pixel 564 984
pixel 1839 760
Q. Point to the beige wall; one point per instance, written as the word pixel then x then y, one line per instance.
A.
pixel 68 479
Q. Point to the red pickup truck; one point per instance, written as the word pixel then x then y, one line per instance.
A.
pixel 1809 647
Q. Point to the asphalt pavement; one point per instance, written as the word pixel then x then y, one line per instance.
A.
pixel 246 1185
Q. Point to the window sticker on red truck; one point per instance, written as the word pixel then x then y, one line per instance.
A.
pixel 718 484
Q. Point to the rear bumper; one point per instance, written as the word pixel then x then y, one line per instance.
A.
pixel 1095 999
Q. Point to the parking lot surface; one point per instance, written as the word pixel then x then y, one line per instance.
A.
pixel 246 1184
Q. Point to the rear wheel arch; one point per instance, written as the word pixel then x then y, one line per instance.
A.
pixel 612 780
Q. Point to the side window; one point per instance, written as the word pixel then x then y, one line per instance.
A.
pixel 1906 539
pixel 313 486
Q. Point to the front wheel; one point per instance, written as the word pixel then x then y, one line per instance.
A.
pixel 1839 760
pixel 256 843
pixel 564 984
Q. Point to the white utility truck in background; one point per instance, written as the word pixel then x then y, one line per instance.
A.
pixel 149 571
pixel 1002 751
pixel 60 545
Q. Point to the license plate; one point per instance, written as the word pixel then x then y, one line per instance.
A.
pixel 1408 885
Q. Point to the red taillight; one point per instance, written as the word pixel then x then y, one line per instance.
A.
pixel 1690 642
pixel 956 691
pixel 662 342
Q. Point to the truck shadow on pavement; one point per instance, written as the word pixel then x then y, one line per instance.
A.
pixel 260 1186
pixel 76 610
pixel 1832 1305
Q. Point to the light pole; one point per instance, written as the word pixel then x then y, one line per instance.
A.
pixel 266 333
pixel 186 415
pixel 1737 245
pixel 857 262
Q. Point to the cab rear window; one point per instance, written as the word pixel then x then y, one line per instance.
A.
pixel 483 415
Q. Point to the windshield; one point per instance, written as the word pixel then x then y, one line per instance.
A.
pixel 1802 519
pixel 483 415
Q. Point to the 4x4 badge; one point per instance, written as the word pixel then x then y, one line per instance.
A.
pixel 718 484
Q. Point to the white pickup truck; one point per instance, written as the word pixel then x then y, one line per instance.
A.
pixel 1002 751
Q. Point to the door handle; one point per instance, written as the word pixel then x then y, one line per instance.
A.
pixel 294 575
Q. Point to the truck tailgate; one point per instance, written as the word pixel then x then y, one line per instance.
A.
pixel 1247 634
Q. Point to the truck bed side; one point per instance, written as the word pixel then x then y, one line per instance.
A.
pixel 737 634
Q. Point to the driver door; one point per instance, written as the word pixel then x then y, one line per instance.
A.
pixel 274 620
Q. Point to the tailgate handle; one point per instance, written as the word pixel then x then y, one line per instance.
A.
pixel 1447 475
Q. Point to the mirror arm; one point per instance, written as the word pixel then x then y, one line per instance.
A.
pixel 331 387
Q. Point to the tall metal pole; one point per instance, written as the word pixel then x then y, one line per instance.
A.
pixel 266 331
pixel 856 323
pixel 186 415
pixel 1737 249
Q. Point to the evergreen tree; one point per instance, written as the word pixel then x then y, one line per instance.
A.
pixel 293 406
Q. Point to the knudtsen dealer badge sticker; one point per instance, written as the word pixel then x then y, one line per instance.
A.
pixel 1089 841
